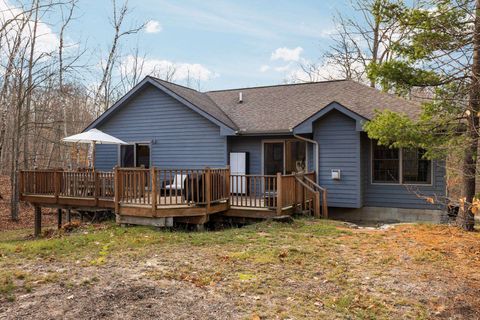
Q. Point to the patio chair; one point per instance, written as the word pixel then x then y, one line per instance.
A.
pixel 177 183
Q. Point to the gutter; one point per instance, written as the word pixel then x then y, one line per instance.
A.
pixel 315 143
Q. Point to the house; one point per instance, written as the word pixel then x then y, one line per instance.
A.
pixel 282 128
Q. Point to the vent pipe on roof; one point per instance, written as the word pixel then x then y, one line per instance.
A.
pixel 240 97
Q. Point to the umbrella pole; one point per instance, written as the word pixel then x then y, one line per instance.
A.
pixel 93 155
pixel 78 157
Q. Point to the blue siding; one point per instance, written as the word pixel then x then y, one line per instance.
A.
pixel 179 137
pixel 106 157
pixel 339 148
pixel 401 196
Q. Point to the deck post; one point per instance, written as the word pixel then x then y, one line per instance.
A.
pixel 153 176
pixel 56 182
pixel 97 186
pixel 69 215
pixel 227 185
pixel 59 217
pixel 116 187
pixel 208 180
pixel 324 204
pixel 279 194
pixel 317 204
pixel 38 221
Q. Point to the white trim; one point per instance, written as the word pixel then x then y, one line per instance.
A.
pixel 400 172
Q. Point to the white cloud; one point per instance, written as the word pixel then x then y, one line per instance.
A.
pixel 174 71
pixel 153 26
pixel 283 68
pixel 47 40
pixel 287 54
pixel 323 70
pixel 264 68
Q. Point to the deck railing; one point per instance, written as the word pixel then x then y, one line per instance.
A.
pixel 156 187
pixel 171 187
pixel 253 191
pixel 278 192
pixel 58 183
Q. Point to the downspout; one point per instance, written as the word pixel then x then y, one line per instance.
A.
pixel 316 150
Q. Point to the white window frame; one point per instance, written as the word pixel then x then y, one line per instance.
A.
pixel 400 182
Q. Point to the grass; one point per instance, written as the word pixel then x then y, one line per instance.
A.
pixel 307 269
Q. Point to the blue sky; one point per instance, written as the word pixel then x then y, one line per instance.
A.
pixel 237 43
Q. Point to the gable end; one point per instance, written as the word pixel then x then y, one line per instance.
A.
pixel 306 126
pixel 225 130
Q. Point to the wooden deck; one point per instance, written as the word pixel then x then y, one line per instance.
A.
pixel 188 195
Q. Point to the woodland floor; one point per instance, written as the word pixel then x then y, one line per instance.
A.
pixel 25 215
pixel 310 269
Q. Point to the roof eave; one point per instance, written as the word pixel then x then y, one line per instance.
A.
pixel 264 132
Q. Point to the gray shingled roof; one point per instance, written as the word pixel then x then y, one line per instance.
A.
pixel 282 107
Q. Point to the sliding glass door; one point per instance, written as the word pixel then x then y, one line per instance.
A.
pixel 135 155
pixel 286 157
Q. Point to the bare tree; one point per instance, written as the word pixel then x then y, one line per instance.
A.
pixel 359 43
pixel 102 97
pixel 131 70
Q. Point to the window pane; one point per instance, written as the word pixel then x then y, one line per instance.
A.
pixel 295 156
pixel 127 155
pixel 386 164
pixel 416 169
pixel 273 158
pixel 143 155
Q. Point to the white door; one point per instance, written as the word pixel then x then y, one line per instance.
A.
pixel 238 163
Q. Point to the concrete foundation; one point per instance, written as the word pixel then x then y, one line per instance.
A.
pixel 388 215
pixel 142 221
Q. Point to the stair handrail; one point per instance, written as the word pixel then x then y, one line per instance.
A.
pixel 318 190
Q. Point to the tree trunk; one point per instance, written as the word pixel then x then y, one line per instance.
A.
pixel 465 217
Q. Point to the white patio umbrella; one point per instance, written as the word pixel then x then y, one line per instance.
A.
pixel 93 136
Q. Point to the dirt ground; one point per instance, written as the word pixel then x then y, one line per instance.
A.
pixel 310 269
pixel 121 293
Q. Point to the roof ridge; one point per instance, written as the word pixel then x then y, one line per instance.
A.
pixel 385 92
pixel 279 85
pixel 175 84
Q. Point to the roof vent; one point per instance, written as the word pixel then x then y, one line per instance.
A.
pixel 240 97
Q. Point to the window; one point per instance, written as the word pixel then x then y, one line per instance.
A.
pixel 135 155
pixel 386 164
pixel 415 169
pixel 405 166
